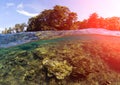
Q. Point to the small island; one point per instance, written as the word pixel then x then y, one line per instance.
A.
pixel 55 48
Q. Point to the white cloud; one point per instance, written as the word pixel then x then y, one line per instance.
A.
pixel 10 4
pixel 36 7
pixel 26 13
pixel 20 6
pixel 21 10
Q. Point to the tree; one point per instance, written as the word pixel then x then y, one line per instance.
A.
pixel 93 21
pixel 9 31
pixel 58 18
pixel 19 27
pixel 83 24
pixel 102 23
pixel 16 28
pixel 5 31
pixel 22 27
pixel 113 23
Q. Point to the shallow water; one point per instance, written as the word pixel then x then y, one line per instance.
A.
pixel 9 40
pixel 19 59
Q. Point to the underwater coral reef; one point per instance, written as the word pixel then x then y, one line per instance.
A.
pixel 68 60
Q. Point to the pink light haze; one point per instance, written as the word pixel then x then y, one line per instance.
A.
pixel 104 8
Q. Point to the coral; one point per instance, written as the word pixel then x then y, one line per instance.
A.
pixel 56 68
pixel 42 50
pixel 76 62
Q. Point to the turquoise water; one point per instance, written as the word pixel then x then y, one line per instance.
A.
pixel 21 55
pixel 34 44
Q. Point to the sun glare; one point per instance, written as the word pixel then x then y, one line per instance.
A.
pixel 110 8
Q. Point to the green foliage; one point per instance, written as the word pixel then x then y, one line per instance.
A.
pixel 17 28
pixel 61 18
pixel 58 18
pixel 94 21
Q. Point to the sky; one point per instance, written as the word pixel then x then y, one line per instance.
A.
pixel 19 11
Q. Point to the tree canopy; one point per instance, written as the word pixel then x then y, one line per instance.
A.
pixel 95 21
pixel 17 28
pixel 61 18
pixel 58 18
